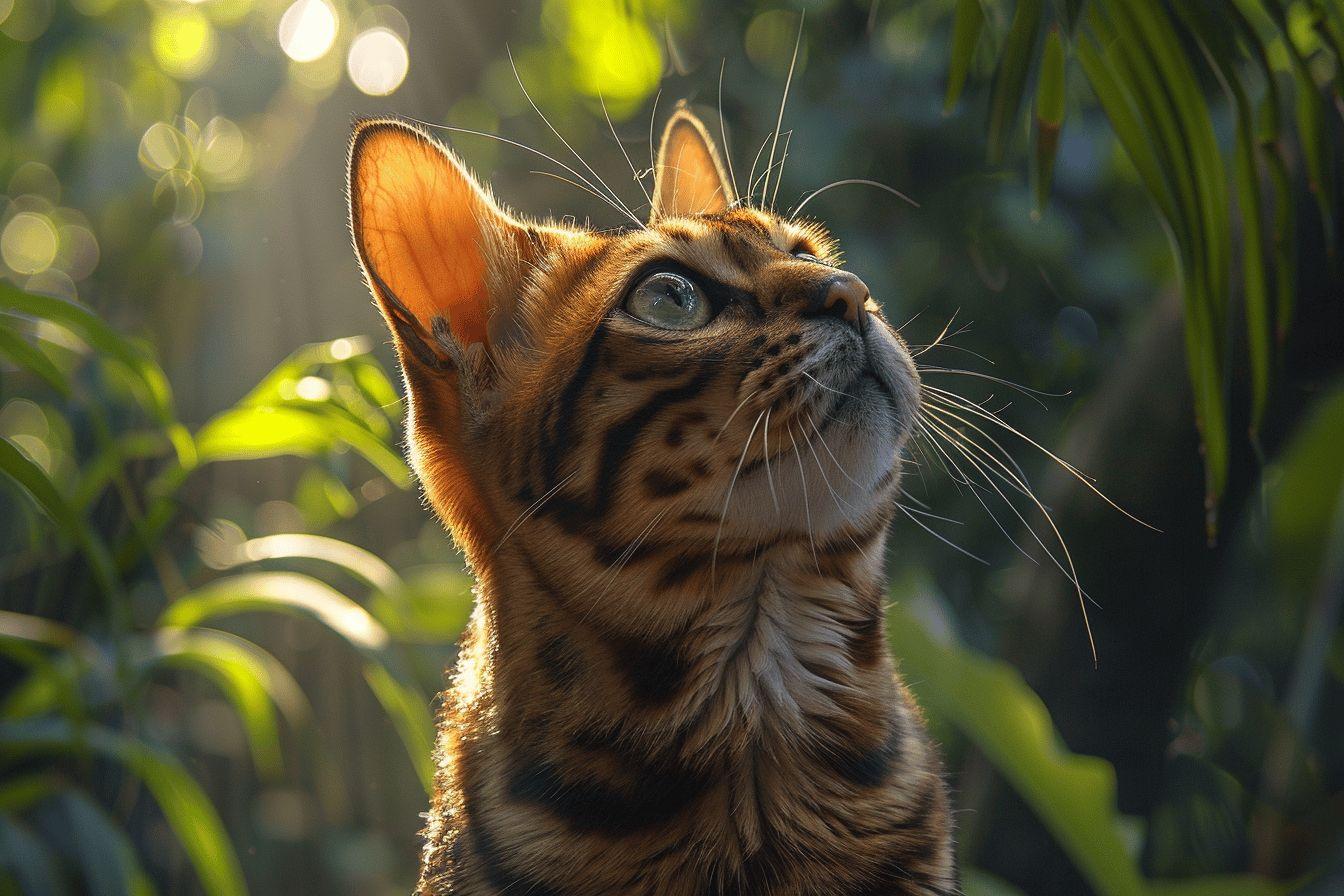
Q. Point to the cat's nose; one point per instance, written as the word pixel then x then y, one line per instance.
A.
pixel 842 295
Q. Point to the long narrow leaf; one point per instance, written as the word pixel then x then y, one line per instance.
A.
pixel 296 594
pixel 244 677
pixel 1072 795
pixel 35 482
pixel 1049 116
pixel 363 565
pixel 1010 81
pixel 248 433
pixel 107 863
pixel 26 860
pixel 184 805
pixel 967 23
pixel 155 392
pixel 30 358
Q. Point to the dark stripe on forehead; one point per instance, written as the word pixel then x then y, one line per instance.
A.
pixel 679 232
pixel 738 249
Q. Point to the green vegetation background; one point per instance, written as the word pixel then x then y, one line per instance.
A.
pixel 224 614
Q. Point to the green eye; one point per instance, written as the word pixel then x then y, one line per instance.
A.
pixel 670 301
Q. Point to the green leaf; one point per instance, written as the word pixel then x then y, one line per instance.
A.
pixel 277 386
pixel 431 607
pixel 1145 75
pixel 1313 136
pixel 1222 885
pixel 241 671
pixel 100 850
pixel 1259 316
pixel 967 23
pixel 1073 796
pixel 30 357
pixel 301 595
pixel 20 792
pixel 184 805
pixel 1005 98
pixel 35 482
pixel 97 472
pixel 1049 116
pixel 975 882
pixel 248 433
pixel 155 394
pixel 363 565
pixel 27 860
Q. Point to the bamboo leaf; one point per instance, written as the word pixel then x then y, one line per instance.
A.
pixel 95 845
pixel 967 23
pixel 248 433
pixel 301 595
pixel 1049 116
pixel 184 805
pixel 1010 80
pixel 155 394
pixel 1259 322
pixel 30 358
pixel 1165 93
pixel 35 482
pixel 241 673
pixel 28 863
pixel 363 565
pixel 1284 240
pixel 1311 130
pixel 1072 795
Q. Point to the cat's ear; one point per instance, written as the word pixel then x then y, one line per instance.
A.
pixel 439 253
pixel 689 178
pixel 445 264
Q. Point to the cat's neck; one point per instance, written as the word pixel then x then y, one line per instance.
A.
pixel 788 669
pixel 773 715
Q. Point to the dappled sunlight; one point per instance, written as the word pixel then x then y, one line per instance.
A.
pixel 1109 231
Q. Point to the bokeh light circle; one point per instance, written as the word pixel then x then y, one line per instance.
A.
pixel 378 61
pixel 183 42
pixel 307 30
pixel 29 242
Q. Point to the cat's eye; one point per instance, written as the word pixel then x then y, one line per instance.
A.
pixel 808 256
pixel 669 301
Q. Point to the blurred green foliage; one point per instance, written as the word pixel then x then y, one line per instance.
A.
pixel 223 619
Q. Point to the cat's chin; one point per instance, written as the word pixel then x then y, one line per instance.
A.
pixel 848 470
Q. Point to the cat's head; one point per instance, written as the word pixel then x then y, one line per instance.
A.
pixel 712 377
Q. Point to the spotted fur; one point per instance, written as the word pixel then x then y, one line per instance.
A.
pixel 675 681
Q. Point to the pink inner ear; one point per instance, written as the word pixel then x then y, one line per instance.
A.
pixel 417 222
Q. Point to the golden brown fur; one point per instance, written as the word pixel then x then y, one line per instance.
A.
pixel 675 681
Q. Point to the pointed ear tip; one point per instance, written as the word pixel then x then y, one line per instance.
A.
pixel 684 116
pixel 365 130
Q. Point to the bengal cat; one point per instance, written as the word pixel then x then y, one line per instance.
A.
pixel 670 455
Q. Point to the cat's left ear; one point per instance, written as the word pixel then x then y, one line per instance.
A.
pixel 690 178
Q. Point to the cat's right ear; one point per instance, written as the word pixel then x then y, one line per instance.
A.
pixel 440 255
pixel 445 264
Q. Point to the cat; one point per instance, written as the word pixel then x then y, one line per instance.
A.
pixel 670 455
